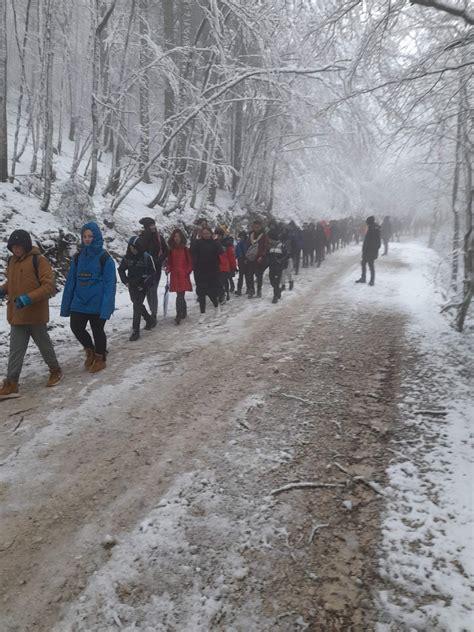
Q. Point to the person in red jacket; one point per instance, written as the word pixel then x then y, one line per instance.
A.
pixel 180 266
pixel 227 263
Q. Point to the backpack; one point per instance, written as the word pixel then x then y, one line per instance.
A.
pixel 103 259
pixel 252 252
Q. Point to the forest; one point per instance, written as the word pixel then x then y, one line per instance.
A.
pixel 293 107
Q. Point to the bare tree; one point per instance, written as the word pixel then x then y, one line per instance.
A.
pixel 3 93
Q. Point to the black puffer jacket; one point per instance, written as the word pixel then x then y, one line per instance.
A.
pixel 371 245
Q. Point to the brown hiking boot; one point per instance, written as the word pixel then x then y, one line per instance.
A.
pixel 9 390
pixel 90 357
pixel 99 363
pixel 55 376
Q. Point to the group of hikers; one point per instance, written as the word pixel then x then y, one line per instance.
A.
pixel 212 256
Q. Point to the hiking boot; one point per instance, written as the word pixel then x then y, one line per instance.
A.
pixel 153 321
pixel 90 356
pixel 177 320
pixel 9 390
pixel 291 286
pixel 251 294
pixel 283 287
pixel 99 363
pixel 55 376
pixel 149 325
pixel 360 280
pixel 275 300
pixel 371 282
pixel 238 292
pixel 259 294
pixel 135 336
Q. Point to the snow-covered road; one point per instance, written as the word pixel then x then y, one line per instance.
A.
pixel 141 499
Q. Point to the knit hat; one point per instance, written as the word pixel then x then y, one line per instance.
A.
pixel 147 221
pixel 370 220
pixel 20 238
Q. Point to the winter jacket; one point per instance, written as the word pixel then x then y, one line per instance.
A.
pixel 22 279
pixel 90 287
pixel 320 238
pixel 154 244
pixel 205 254
pixel 180 266
pixel 371 245
pixel 277 255
pixel 262 246
pixel 137 270
pixel 227 260
pixel 241 249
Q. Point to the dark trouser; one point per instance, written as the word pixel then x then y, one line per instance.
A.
pixel 138 299
pixel 275 280
pixel 78 325
pixel 319 256
pixel 152 294
pixel 306 254
pixel 223 286
pixel 240 281
pixel 181 307
pixel 254 270
pixel 311 257
pixel 19 338
pixel 202 300
pixel 296 260
pixel 370 262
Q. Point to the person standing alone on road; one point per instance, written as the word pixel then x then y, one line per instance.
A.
pixel 155 245
pixel 28 286
pixel 89 295
pixel 370 250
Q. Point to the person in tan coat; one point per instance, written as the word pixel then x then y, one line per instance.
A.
pixel 28 287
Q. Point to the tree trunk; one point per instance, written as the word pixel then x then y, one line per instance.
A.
pixel 3 93
pixel 454 201
pixel 144 93
pixel 48 106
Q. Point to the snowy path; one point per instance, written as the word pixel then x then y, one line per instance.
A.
pixel 174 452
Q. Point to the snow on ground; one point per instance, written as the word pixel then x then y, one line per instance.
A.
pixel 427 554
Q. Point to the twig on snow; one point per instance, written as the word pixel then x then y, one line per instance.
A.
pixel 315 529
pixel 360 479
pixel 434 413
pixel 18 412
pixel 304 485
pixel 18 424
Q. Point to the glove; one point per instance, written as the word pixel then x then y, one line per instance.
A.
pixel 23 301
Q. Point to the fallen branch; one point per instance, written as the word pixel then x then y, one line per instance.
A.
pixel 360 479
pixel 315 529
pixel 433 413
pixel 18 424
pixel 304 485
pixel 18 412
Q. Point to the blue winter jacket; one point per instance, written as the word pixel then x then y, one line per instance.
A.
pixel 90 287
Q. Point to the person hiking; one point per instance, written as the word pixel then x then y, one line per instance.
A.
pixel 28 286
pixel 277 260
pixel 179 266
pixel 370 250
pixel 155 245
pixel 386 233
pixel 89 295
pixel 205 254
pixel 137 272
pixel 287 275
pixel 227 263
pixel 240 250
pixel 321 243
pixel 256 259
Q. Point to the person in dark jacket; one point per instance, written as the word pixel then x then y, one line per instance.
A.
pixel 179 266
pixel 155 245
pixel 89 295
pixel 240 251
pixel 206 253
pixel 370 250
pixel 256 263
pixel 137 272
pixel 307 244
pixel 277 261
pixel 296 245
pixel 386 233
pixel 28 286
pixel 321 243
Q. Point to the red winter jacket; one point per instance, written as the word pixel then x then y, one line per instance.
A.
pixel 180 266
pixel 227 260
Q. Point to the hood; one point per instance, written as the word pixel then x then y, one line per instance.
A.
pixel 20 238
pixel 97 244
pixel 137 243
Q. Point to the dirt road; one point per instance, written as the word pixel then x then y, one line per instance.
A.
pixel 175 451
